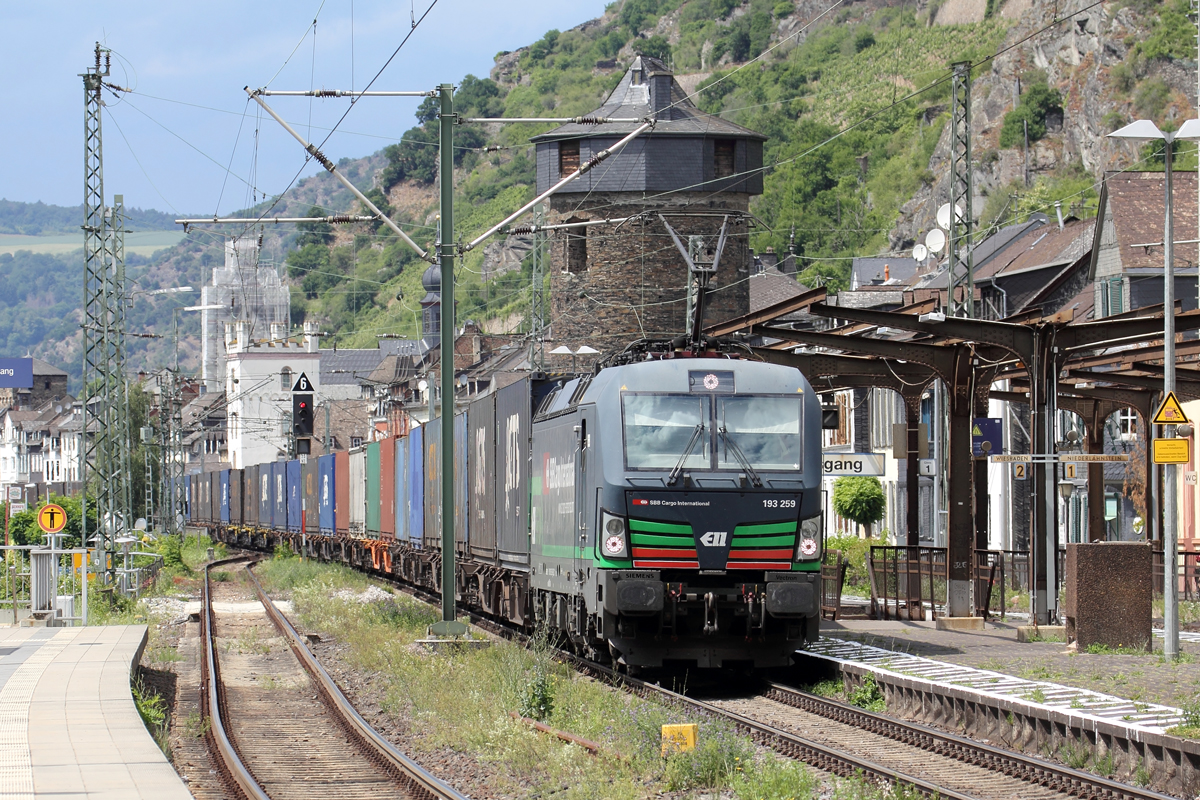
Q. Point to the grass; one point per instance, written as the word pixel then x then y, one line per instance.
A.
pixel 152 708
pixel 868 696
pixel 1097 649
pixel 196 725
pixel 461 701
pixel 1190 728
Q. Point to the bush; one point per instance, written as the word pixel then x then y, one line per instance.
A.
pixel 1035 102
pixel 859 499
pixel 1151 97
pixel 855 551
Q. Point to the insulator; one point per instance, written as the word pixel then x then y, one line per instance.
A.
pixel 326 93
pixel 589 120
pixel 520 230
pixel 320 157
pixel 340 219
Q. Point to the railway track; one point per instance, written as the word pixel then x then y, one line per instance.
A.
pixel 848 741
pixel 296 736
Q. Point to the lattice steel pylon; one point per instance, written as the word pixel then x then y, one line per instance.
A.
pixel 961 299
pixel 104 449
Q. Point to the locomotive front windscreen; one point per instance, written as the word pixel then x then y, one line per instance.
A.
pixel 660 427
pixel 765 429
pixel 663 431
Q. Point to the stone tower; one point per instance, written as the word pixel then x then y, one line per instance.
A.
pixel 612 283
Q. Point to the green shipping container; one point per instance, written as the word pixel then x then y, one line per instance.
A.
pixel 373 489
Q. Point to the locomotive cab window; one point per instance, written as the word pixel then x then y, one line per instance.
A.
pixel 765 429
pixel 660 428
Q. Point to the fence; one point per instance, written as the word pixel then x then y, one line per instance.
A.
pixel 906 580
pixel 1189 574
pixel 833 579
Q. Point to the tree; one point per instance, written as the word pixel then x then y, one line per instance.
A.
pixel 859 498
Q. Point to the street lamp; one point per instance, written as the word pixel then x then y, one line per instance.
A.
pixel 563 350
pixel 1144 129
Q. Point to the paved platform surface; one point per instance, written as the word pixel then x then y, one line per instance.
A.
pixel 1144 678
pixel 68 724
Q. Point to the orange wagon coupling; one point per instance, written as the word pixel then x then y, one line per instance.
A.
pixel 380 553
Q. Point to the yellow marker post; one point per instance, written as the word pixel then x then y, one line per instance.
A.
pixel 678 738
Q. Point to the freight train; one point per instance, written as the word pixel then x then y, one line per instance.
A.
pixel 661 512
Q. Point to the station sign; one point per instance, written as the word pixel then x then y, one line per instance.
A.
pixel 1078 458
pixel 852 464
pixel 16 373
pixel 1171 451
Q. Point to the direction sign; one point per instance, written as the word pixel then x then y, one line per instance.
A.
pixel 51 518
pixel 303 384
pixel 1170 412
pixel 1080 458
pixel 1171 451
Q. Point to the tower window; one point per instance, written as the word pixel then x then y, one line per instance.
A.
pixel 568 157
pixel 723 150
pixel 576 249
pixel 285 379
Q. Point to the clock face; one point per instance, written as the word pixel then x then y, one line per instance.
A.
pixel 808 547
pixel 614 544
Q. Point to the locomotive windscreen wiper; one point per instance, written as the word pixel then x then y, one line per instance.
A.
pixel 687 451
pixel 740 456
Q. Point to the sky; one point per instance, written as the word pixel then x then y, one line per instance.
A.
pixel 188 140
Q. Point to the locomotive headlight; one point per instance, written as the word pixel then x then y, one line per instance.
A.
pixel 613 543
pixel 808 544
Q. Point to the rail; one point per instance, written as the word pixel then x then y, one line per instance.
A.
pixel 417 779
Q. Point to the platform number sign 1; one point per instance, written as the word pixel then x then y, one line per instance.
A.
pixel 1069 470
pixel 1020 470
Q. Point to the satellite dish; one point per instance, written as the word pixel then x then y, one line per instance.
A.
pixel 140 525
pixel 943 216
pixel 920 252
pixel 935 240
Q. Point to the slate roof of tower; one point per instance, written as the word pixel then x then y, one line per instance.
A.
pixel 682 118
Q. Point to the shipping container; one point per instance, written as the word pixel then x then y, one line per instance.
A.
pixel 293 488
pixel 482 477
pixel 264 496
pixel 433 484
pixel 214 496
pixel 279 496
pixel 308 497
pixel 512 474
pixel 415 478
pixel 461 497
pixel 371 491
pixel 326 495
pixel 250 496
pixel 224 496
pixel 400 489
pixel 341 485
pixel 357 481
pixel 237 514
pixel 387 488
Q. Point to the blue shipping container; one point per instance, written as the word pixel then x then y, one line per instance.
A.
pixel 416 487
pixel 225 496
pixel 294 485
pixel 401 489
pixel 279 495
pixel 326 496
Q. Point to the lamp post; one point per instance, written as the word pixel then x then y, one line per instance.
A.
pixel 1143 130
pixel 563 350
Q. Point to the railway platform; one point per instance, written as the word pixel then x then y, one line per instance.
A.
pixel 68 723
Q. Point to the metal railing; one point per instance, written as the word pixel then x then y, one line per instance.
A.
pixel 905 581
pixel 833 579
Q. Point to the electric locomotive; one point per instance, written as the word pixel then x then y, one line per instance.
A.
pixel 676 515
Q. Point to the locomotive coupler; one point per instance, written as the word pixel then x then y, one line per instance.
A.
pixel 710 613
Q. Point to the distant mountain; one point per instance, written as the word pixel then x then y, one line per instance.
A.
pixel 40 219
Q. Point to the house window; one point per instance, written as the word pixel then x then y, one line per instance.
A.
pixel 285 379
pixel 568 157
pixel 723 150
pixel 576 248
pixel 1112 296
pixel 356 441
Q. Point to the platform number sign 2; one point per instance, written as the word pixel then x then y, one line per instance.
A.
pixel 1020 470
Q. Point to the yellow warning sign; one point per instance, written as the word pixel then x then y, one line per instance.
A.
pixel 1170 412
pixel 678 738
pixel 51 518
pixel 1171 451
